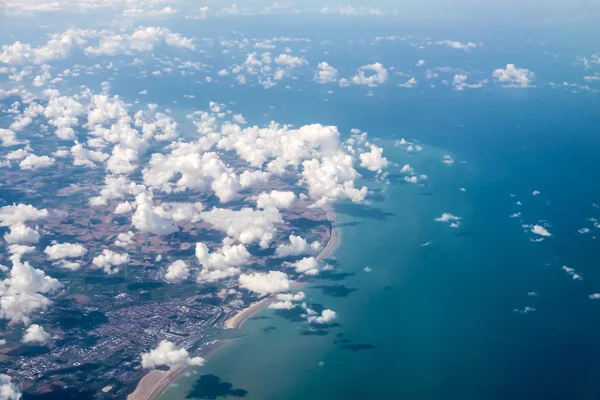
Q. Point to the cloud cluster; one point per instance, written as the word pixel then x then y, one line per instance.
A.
pixel 166 353
pixel 287 301
pixel 265 283
pixel 247 225
pixel 109 259
pixel 222 263
pixel 369 75
pixel 325 317
pixel 23 291
pixel 177 271
pixel 298 246
pixel 307 266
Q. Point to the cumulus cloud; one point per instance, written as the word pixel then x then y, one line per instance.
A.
pixel 459 82
pixel 326 73
pixel 177 271
pixel 275 198
pixel 246 226
pixel 36 334
pixel 265 283
pixel 23 291
pixel 298 246
pixel 512 76
pixel 222 263
pixel 148 218
pixel 457 45
pixel 8 389
pixel 109 259
pixel 195 172
pixel 370 75
pixel 374 160
pixel 332 178
pixel 59 47
pixel 65 250
pixel 307 266
pixel 142 40
pixel 34 162
pixel 166 353
pixel 286 301
pixel 325 317
pixel 540 230
pixel 572 272
pixel 20 213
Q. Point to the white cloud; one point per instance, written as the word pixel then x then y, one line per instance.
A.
pixel 166 353
pixel 459 82
pixel 221 264
pixel 137 12
pixel 447 217
pixel 276 198
pixel 23 291
pixel 572 272
pixel 374 160
pixel 246 226
pixel 265 283
pixel 65 250
pixel 308 266
pixel 33 162
pixel 19 213
pixel 326 73
pixel 59 47
pixel 326 317
pixel 378 75
pixel 8 389
pixel 514 77
pixel 22 234
pixel 594 296
pixel 195 172
pixel 109 259
pixel 298 246
pixel 142 40
pixel 289 61
pixel 412 82
pixel 36 334
pixel 332 178
pixel 285 301
pixel 149 218
pixel 540 230
pixel 457 45
pixel 177 271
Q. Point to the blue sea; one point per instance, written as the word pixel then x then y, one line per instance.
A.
pixel 482 311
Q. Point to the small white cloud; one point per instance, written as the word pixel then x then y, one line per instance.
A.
pixel 540 230
pixel 514 77
pixel 35 334
pixel 168 354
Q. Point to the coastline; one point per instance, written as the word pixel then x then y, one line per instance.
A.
pixel 155 382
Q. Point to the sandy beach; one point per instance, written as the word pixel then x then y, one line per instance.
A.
pixel 155 382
